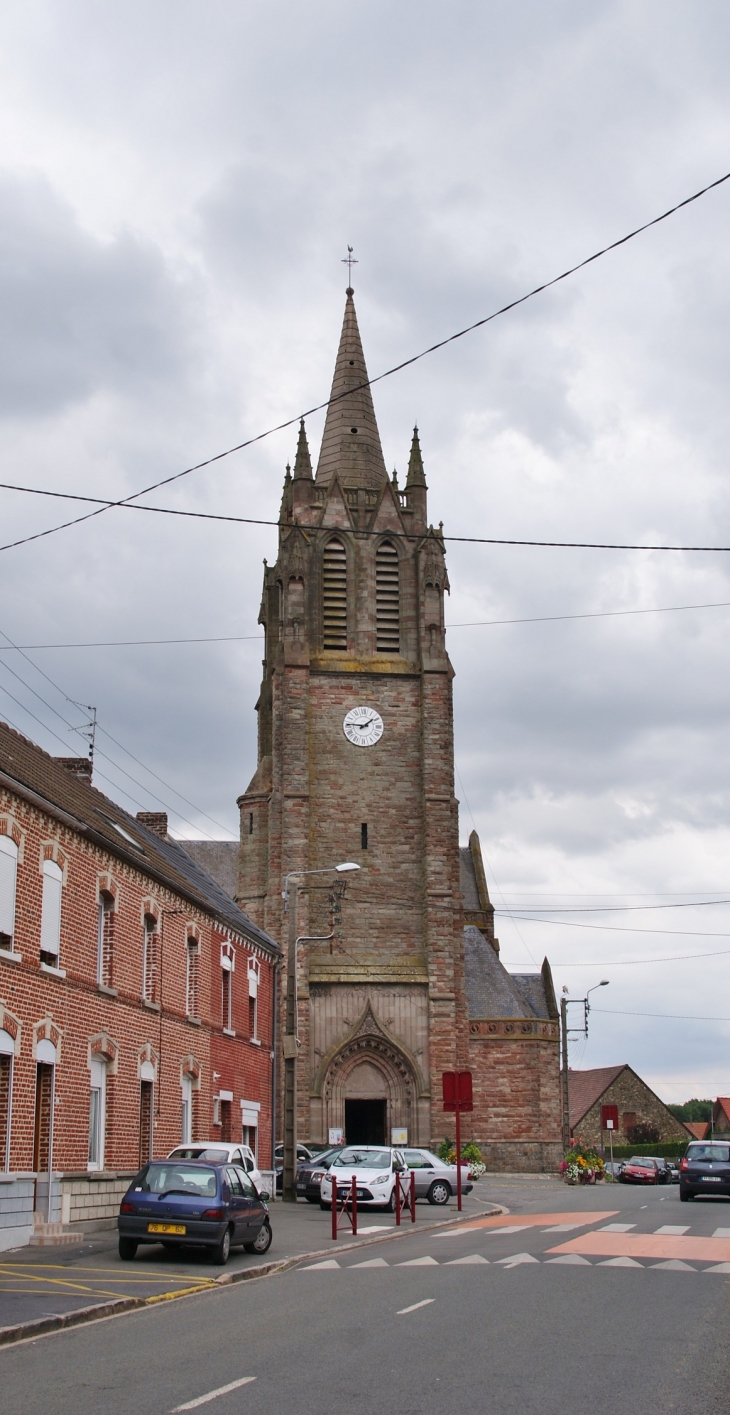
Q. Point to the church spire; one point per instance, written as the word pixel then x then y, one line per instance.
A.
pixel 351 441
pixel 416 475
pixel 302 461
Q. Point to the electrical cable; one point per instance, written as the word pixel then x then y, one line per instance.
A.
pixel 614 908
pixel 635 962
pixel 619 928
pixel 670 1016
pixel 397 368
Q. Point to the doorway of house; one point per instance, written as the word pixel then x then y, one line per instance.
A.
pixel 365 1122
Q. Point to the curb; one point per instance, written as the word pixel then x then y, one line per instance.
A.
pixel 100 1311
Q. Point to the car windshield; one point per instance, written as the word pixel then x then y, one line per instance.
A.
pixel 193 1152
pixel 720 1153
pixel 362 1159
pixel 180 1178
pixel 642 1162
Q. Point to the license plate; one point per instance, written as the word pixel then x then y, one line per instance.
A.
pixel 301 1186
pixel 361 1193
pixel 711 1179
pixel 166 1228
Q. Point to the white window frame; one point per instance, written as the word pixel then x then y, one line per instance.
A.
pixel 7 1048
pixel 254 978
pixel 148 995
pixel 8 887
pixel 97 1115
pixel 51 910
pixel 226 996
pixel 106 905
pixel 186 1118
pixel 193 950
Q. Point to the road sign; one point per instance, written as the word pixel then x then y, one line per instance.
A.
pixel 457 1084
pixel 609 1117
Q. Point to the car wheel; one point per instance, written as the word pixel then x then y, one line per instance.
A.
pixel 262 1241
pixel 222 1251
pixel 325 1204
pixel 439 1193
pixel 390 1206
pixel 127 1249
pixel 685 1195
pixel 311 1198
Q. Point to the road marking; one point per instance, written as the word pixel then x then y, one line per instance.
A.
pixel 506 1222
pixel 572 1260
pixel 676 1228
pixel 656 1246
pixel 212 1394
pixel 419 1263
pixel 377 1228
pixel 516 1259
pixel 404 1310
pixel 562 1227
pixel 620 1263
pixel 456 1232
pixel 511 1228
pixel 472 1258
pixel 617 1228
pixel 675 1265
pixel 721 1233
pixel 372 1263
pixel 718 1268
pixel 314 1267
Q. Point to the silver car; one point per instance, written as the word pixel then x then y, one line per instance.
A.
pixel 436 1180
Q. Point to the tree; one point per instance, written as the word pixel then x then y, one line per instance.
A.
pixel 643 1134
pixel 692 1110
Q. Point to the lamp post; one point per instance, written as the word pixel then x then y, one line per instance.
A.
pixel 290 1042
pixel 580 1031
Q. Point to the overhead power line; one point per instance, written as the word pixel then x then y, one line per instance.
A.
pixel 611 928
pixel 636 962
pixel 609 908
pixel 397 368
pixel 669 1016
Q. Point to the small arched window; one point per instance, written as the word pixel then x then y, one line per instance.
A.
pixel 8 877
pixel 387 599
pixel 334 595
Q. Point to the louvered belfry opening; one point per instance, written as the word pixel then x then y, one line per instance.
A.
pixel 334 595
pixel 387 607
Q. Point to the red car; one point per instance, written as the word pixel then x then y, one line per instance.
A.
pixel 640 1170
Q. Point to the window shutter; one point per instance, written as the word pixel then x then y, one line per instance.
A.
pixel 387 608
pixel 8 872
pixel 51 915
pixel 253 982
pixel 334 595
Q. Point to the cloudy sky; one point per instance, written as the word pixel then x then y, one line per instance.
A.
pixel 178 184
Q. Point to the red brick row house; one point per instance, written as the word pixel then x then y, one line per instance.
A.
pixel 137 1001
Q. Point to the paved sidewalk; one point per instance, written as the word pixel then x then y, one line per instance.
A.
pixel 42 1283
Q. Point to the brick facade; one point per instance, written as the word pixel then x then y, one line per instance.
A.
pixel 89 1020
pixel 637 1105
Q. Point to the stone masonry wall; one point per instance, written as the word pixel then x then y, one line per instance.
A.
pixel 631 1095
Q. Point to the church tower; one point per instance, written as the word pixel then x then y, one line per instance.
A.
pixel 356 762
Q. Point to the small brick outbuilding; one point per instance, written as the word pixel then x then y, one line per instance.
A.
pixel 619 1086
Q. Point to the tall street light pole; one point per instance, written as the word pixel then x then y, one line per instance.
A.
pixel 290 1043
pixel 581 1031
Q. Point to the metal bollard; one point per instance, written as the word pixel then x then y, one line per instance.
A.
pixel 334 1206
pixel 354 1206
pixel 413 1197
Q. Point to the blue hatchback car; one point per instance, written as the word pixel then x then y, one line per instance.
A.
pixel 196 1203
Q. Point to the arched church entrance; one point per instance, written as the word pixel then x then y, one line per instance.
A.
pixel 370 1090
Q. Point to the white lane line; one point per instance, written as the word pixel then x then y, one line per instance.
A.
pixel 415 1307
pixel 617 1228
pixel 456 1232
pixel 721 1233
pixel 418 1263
pixel 565 1227
pixel 510 1228
pixel 213 1394
pixel 516 1259
pixel 675 1229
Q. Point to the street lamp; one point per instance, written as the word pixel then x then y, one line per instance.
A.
pixel 290 1041
pixel 583 1031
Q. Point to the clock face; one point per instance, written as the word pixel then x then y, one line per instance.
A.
pixel 363 726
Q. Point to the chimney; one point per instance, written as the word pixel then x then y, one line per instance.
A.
pixel 80 767
pixel 156 821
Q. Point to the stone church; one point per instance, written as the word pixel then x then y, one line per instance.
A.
pixel 356 763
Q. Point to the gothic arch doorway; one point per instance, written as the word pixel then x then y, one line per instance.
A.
pixel 370 1090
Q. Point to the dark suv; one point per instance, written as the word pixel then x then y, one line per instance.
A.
pixel 705 1169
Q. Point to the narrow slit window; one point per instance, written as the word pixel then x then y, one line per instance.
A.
pixel 334 595
pixel 387 599
pixel 364 836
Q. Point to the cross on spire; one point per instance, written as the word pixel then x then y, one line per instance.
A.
pixel 349 260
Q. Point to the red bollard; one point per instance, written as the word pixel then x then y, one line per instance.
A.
pixel 397 1199
pixel 413 1197
pixel 334 1206
pixel 354 1206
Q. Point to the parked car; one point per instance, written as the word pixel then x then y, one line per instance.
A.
pixel 303 1154
pixel 311 1172
pixel 374 1168
pixel 640 1169
pixel 221 1152
pixel 616 1168
pixel 705 1169
pixel 673 1172
pixel 435 1179
pixel 191 1202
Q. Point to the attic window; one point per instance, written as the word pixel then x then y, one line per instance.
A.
pixel 120 831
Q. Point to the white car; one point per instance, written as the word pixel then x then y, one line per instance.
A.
pixel 221 1152
pixel 374 1168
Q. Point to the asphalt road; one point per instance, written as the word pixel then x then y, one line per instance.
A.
pixel 484 1319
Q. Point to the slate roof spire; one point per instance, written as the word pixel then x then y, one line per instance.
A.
pixel 416 474
pixel 302 461
pixel 351 441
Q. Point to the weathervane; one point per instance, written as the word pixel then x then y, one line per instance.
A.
pixel 349 260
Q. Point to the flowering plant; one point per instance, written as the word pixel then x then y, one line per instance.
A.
pixel 582 1164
